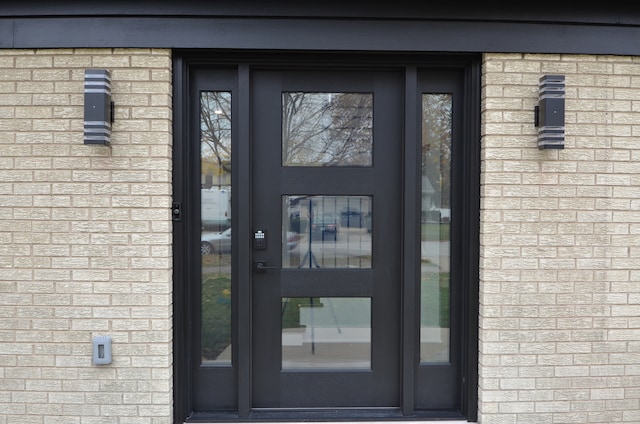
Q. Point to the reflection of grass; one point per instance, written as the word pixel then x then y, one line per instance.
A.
pixel 328 261
pixel 434 298
pixel 216 308
pixel 291 309
pixel 216 260
pixel 433 231
pixel 216 314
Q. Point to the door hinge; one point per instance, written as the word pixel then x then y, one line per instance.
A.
pixel 176 211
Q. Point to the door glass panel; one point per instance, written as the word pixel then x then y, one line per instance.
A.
pixel 326 332
pixel 327 129
pixel 326 231
pixel 215 236
pixel 436 217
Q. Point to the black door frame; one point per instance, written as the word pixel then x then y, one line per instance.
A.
pixel 469 175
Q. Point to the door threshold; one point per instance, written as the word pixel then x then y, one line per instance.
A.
pixel 439 421
pixel 328 416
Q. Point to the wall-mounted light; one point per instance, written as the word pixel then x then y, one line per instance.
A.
pixel 98 107
pixel 549 114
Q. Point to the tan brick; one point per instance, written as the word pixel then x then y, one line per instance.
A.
pixel 52 82
pixel 585 199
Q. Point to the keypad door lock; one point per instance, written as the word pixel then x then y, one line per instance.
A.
pixel 260 240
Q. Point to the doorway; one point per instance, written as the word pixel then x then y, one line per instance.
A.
pixel 326 167
pixel 330 204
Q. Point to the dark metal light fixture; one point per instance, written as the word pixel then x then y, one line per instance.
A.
pixel 550 112
pixel 98 107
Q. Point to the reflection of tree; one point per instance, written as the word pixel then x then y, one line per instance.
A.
pixel 436 143
pixel 351 130
pixel 327 129
pixel 215 132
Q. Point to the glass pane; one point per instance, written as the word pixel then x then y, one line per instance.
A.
pixel 326 332
pixel 215 240
pixel 327 129
pixel 436 216
pixel 326 231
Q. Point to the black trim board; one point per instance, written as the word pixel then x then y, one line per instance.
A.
pixel 612 12
pixel 399 35
pixel 181 398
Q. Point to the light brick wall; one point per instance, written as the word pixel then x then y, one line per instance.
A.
pixel 560 245
pixel 85 240
pixel 85 243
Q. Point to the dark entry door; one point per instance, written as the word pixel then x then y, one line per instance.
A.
pixel 326 217
pixel 337 267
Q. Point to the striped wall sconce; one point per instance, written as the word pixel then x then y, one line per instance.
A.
pixel 550 112
pixel 98 107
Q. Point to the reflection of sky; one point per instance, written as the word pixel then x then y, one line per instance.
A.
pixel 321 130
pixel 436 148
pixel 217 118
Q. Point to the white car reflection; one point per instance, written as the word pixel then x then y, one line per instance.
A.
pixel 211 243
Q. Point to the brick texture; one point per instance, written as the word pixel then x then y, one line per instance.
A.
pixel 85 242
pixel 560 245
pixel 81 251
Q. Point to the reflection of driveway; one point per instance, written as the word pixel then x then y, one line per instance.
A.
pixel 438 253
pixel 342 249
pixel 350 243
pixel 434 254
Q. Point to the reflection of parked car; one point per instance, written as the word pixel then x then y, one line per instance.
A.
pixel 351 217
pixel 215 242
pixel 325 226
pixel 216 208
pixel 221 242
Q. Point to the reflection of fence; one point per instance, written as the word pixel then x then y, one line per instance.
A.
pixel 350 211
pixel 436 215
pixel 220 179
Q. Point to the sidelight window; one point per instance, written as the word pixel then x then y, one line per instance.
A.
pixel 215 234
pixel 435 225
